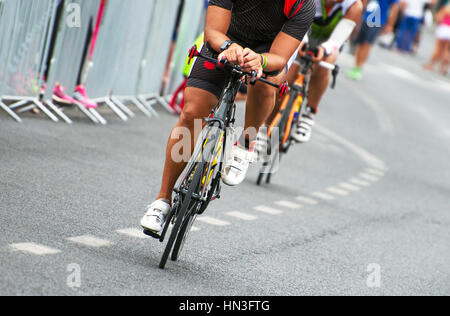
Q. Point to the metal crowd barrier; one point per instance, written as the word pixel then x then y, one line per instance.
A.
pixel 24 29
pixel 128 62
pixel 69 52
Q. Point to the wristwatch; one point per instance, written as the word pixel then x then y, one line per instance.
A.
pixel 226 45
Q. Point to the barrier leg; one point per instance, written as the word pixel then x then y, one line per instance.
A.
pixel 122 107
pixel 85 111
pixel 43 108
pixel 116 110
pixel 10 112
pixel 141 106
pixel 149 105
pixel 59 112
pixel 97 115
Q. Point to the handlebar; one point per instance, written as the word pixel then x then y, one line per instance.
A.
pixel 224 63
pixel 310 53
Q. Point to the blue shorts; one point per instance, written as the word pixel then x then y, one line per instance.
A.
pixel 368 34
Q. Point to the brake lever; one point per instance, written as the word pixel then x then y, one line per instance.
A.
pixel 254 77
pixel 335 74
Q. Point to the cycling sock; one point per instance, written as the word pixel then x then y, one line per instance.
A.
pixel 313 111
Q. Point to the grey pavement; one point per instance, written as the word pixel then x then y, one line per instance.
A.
pixel 377 169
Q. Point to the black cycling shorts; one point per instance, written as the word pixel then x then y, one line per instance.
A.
pixel 205 76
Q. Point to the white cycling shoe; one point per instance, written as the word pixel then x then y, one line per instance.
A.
pixel 236 166
pixel 303 132
pixel 155 217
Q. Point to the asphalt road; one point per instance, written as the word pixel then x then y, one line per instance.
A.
pixel 369 194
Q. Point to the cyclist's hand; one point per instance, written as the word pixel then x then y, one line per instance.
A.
pixel 320 54
pixel 252 62
pixel 234 54
pixel 302 51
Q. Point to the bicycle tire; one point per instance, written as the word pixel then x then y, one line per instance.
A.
pixel 182 235
pixel 180 218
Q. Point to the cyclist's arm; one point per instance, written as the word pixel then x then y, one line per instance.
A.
pixel 218 21
pixel 344 29
pixel 289 39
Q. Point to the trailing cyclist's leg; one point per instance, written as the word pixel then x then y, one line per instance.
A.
pixel 260 104
pixel 318 85
pixel 181 143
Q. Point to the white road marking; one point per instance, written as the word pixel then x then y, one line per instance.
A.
pixel 133 232
pixel 360 182
pixel 287 204
pixel 323 196
pixel 267 210
pixel 349 186
pixel 375 172
pixel 367 157
pixel 34 249
pixel 194 229
pixel 212 221
pixel 337 191
pixel 243 216
pixel 384 119
pixel 91 241
pixel 369 177
pixel 306 200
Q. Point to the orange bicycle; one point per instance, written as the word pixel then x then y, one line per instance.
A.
pixel 278 138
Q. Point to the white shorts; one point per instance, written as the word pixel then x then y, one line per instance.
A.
pixel 443 32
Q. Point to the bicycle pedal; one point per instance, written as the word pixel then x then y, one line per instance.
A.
pixel 151 234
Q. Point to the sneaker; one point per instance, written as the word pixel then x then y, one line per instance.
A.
pixel 303 132
pixel 237 164
pixel 355 74
pixel 82 97
pixel 155 217
pixel 60 96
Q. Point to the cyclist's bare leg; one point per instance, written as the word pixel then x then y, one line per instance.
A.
pixel 198 105
pixel 260 104
pixel 362 54
pixel 318 84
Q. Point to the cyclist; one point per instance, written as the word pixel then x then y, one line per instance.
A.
pixel 256 35
pixel 334 22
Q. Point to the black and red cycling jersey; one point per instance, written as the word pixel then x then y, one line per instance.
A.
pixel 258 22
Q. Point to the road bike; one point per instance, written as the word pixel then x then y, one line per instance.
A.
pixel 200 182
pixel 277 138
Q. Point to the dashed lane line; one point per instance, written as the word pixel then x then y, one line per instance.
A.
pixel 132 232
pixel 212 221
pixel 267 210
pixel 306 200
pixel 323 196
pixel 349 187
pixel 35 249
pixel 369 177
pixel 91 241
pixel 360 182
pixel 242 216
pixel 290 205
pixel 337 191
pixel 375 172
